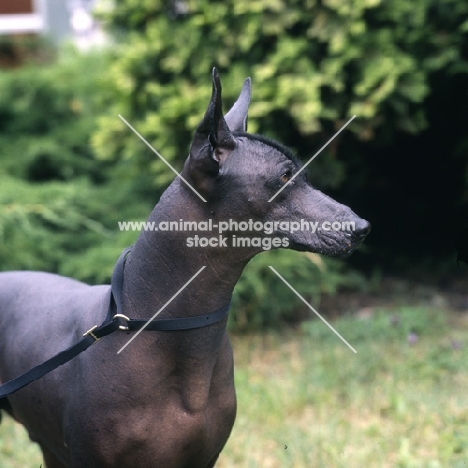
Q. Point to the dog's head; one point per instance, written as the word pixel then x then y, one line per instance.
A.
pixel 249 177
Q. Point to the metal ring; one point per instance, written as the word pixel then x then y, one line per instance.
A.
pixel 122 327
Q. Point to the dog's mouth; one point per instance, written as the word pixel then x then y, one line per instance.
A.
pixel 338 245
pixel 329 251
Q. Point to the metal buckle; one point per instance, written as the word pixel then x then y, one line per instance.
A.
pixel 90 332
pixel 122 327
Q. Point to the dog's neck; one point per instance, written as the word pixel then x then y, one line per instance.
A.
pixel 161 263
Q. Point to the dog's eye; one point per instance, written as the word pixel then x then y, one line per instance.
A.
pixel 286 176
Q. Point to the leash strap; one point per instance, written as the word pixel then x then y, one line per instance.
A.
pixel 59 359
pixel 110 325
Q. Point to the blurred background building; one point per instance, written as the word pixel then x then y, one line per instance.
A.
pixel 24 22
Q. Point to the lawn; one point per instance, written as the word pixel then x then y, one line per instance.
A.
pixel 306 400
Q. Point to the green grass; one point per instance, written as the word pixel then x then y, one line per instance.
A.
pixel 305 400
pixel 16 451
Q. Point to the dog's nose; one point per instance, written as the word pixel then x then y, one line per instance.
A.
pixel 361 229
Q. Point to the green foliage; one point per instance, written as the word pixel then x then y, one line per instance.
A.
pixel 67 228
pixel 262 300
pixel 46 119
pixel 59 205
pixel 313 64
pixel 38 222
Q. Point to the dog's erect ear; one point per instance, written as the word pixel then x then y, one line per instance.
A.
pixel 212 141
pixel 236 118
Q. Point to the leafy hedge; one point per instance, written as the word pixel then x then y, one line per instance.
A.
pixel 59 204
pixel 313 63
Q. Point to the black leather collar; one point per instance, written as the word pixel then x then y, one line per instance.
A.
pixel 183 323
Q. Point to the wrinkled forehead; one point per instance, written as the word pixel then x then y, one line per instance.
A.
pixel 271 149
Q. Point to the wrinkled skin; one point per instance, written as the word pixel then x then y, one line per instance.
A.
pixel 168 400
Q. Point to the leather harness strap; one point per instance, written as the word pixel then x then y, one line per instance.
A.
pixel 114 321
